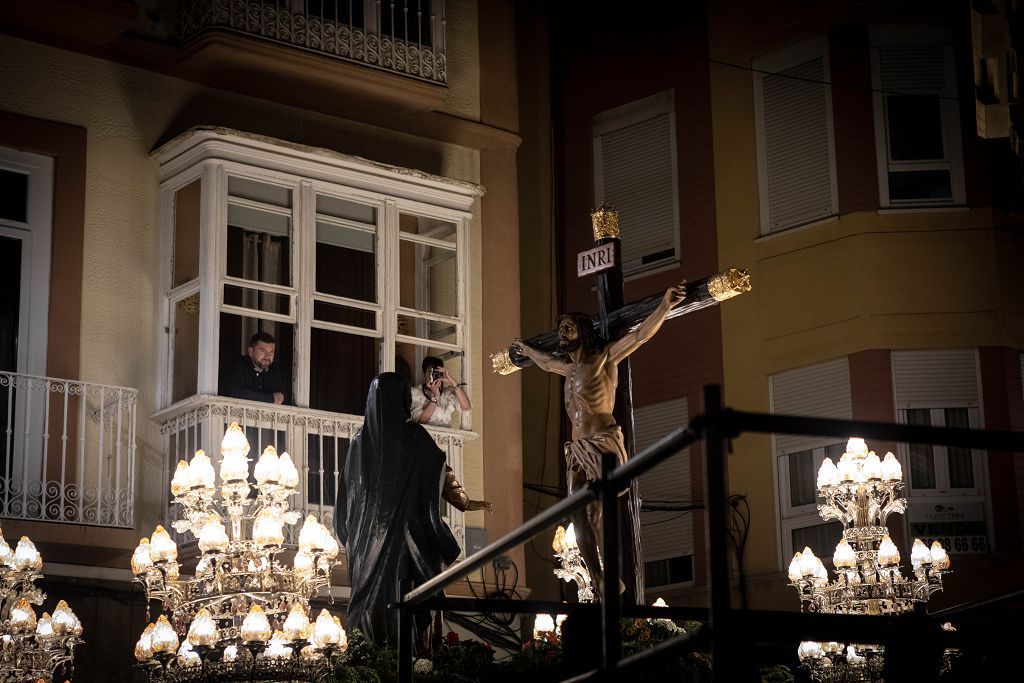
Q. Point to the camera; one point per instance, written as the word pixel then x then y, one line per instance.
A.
pixel 436 374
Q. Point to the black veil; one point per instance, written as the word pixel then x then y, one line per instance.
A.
pixel 388 510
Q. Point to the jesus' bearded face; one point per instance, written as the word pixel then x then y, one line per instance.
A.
pixel 568 336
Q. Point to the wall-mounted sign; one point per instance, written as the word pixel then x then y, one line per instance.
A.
pixel 595 260
pixel 958 526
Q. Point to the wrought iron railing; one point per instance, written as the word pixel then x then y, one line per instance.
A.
pixel 67 451
pixel 402 36
pixel 316 440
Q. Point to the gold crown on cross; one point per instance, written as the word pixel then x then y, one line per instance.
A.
pixel 606 222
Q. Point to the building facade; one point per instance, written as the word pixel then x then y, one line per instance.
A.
pixel 861 162
pixel 180 175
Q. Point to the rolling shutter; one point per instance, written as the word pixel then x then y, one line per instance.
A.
pixel 664 534
pixel 821 390
pixel 634 149
pixel 939 379
pixel 796 126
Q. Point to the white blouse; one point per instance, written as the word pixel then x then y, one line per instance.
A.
pixel 446 406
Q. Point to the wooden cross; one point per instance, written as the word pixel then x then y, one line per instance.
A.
pixel 615 319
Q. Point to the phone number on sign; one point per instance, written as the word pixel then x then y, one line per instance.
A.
pixel 960 544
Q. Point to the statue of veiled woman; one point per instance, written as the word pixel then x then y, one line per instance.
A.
pixel 388 509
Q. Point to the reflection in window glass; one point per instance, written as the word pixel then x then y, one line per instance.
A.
pixel 922 462
pixel 186 348
pixel 185 258
pixel 961 467
pixel 820 538
pixel 429 278
pixel 13 195
pixel 346 249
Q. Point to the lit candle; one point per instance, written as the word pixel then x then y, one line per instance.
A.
pixel 828 475
pixel 234 440
pixel 289 475
pixel 26 556
pixel 162 547
pixel 872 467
pixel 940 560
pixel 856 446
pixel 808 563
pixel 919 554
pixel 203 630
pixel 844 557
pixel 268 467
pixel 180 481
pixel 65 621
pixel 310 534
pixel 187 656
pixel 809 650
pixel 234 467
pixel 144 648
pixel 200 471
pixel 888 554
pixel 142 561
pixel 268 530
pixel 44 628
pixel 256 628
pixel 543 624
pixel 213 537
pixel 165 639
pixel 794 568
pixel 23 617
pixel 296 623
pixel 891 470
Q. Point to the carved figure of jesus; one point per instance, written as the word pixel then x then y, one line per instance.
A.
pixel 590 368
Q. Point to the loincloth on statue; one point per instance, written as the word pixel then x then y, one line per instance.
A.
pixel 584 455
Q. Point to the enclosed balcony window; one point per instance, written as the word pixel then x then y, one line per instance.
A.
pixel 354 268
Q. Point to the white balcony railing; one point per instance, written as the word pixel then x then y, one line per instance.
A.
pixel 67 452
pixel 316 440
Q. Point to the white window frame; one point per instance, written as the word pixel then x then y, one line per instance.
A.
pixel 214 155
pixel 622 117
pixel 35 236
pixel 797 517
pixel 905 36
pixel 940 460
pixel 774 63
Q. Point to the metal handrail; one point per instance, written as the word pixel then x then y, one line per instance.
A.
pixel 731 628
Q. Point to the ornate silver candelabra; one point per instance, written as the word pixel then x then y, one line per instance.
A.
pixel 861 491
pixel 571 565
pixel 31 648
pixel 244 613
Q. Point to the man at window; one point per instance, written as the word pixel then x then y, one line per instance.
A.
pixel 439 396
pixel 254 376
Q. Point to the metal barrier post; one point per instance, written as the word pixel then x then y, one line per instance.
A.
pixel 611 610
pixel 718 560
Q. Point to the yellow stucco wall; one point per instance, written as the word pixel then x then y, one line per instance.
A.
pixel 866 280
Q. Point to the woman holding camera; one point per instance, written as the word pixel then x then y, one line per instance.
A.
pixel 439 396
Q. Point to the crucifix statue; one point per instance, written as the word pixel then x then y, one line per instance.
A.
pixel 592 356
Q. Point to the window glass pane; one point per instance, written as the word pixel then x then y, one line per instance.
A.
pixel 914 127
pixel 428 280
pixel 341 367
pixel 185 259
pixel 961 466
pixel 906 185
pixel 346 249
pixel 259 231
pixel 820 538
pixel 257 300
pixel 432 330
pixel 235 333
pixel 434 228
pixel 344 315
pixel 802 478
pixel 10 304
pixel 922 461
pixel 186 348
pixel 13 195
